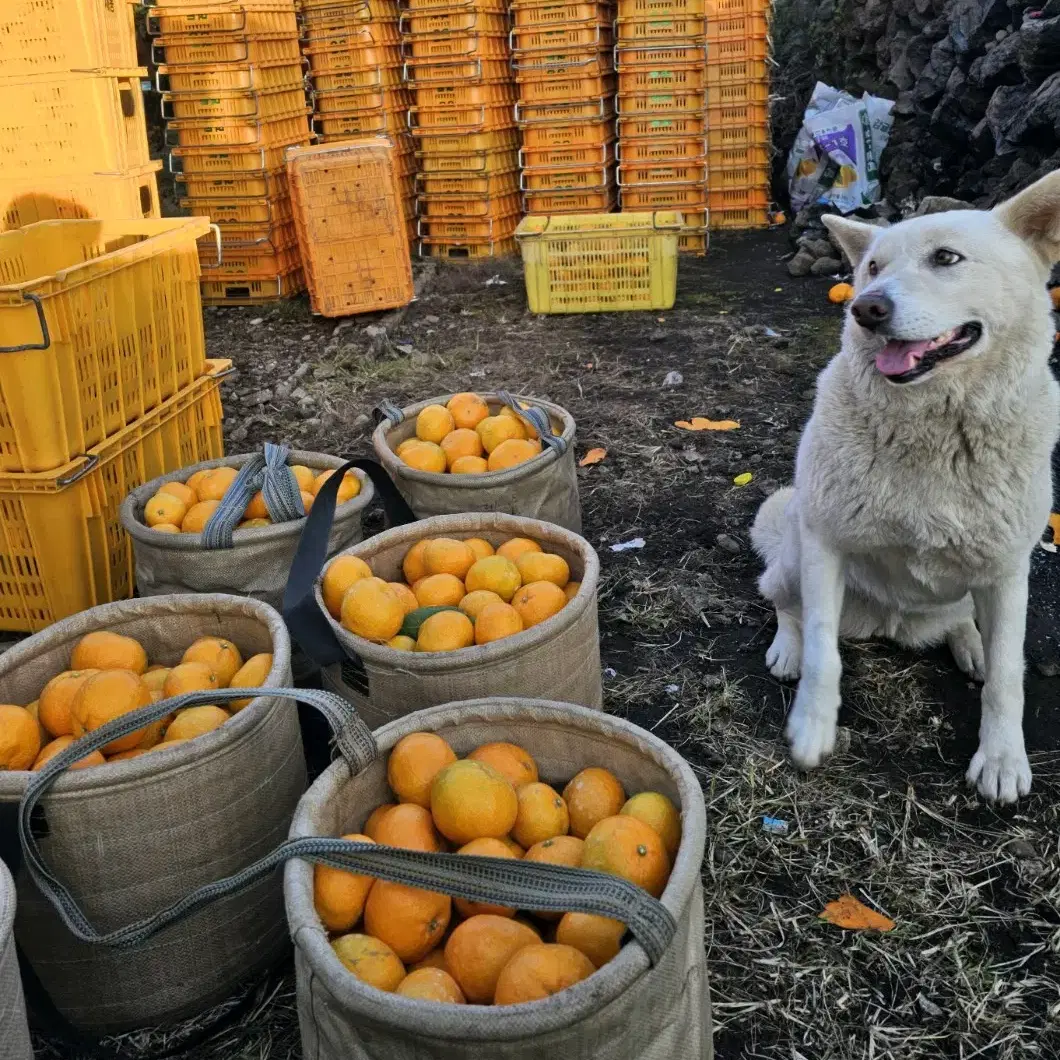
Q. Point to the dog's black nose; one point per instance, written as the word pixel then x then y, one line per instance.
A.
pixel 872 311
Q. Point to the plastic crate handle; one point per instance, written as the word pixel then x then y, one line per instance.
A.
pixel 46 338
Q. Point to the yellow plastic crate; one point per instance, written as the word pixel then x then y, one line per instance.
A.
pixel 100 321
pixel 600 263
pixel 62 546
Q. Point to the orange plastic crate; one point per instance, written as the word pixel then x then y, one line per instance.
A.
pixel 467 251
pixel 459 119
pixel 240 212
pixel 750 139
pixel 576 134
pixel 553 202
pixel 360 123
pixel 364 11
pixel 352 80
pixel 564 37
pixel 660 102
pixel 238 50
pixel 592 110
pixel 456 47
pixel 740 218
pixel 539 66
pixel 565 90
pixel 471 5
pixel 200 161
pixel 350 34
pixel 663 79
pixel 749 72
pixel 223 16
pixel 665 197
pixel 260 261
pixel 452 145
pixel 726 178
pixel 363 100
pixel 526 15
pixel 239 132
pixel 562 157
pixel 241 292
pixel 672 30
pixel 736 27
pixel 263 105
pixel 366 56
pixel 487 185
pixel 473 71
pixel 737 49
pixel 248 185
pixel 748 115
pixel 465 230
pixel 573 178
pixel 442 21
pixel 638 174
pixel 660 56
pixel 645 9
pixel 500 93
pixel 728 8
pixel 437 207
pixel 693 243
pixel 754 198
pixel 661 126
pixel 247 76
pixel 657 150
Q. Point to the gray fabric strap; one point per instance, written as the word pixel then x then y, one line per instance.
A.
pixel 539 418
pixel 387 410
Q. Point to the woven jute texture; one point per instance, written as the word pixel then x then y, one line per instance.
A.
pixel 558 659
pixel 258 563
pixel 14 1034
pixel 543 488
pixel 628 1010
pixel 132 837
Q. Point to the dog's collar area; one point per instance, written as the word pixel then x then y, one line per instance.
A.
pixel 902 361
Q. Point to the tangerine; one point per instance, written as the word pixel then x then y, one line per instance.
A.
pixel 405 595
pixel 511 414
pixel 198 516
pixel 627 847
pixel 108 651
pixel 497 621
pixel 446 631
pixel 339 895
pixel 56 698
pixel 445 555
pixel 438 590
pixel 372 611
pixel 542 814
pixel 514 547
pixel 509 759
pixel 19 737
pixel 495 573
pixel 469 465
pixel 256 507
pixel 570 590
pixel 220 655
pixel 483 848
pixel 409 920
pixel 592 795
pixel 304 476
pixel 543 567
pixel 408 826
pixel 431 984
pixel 155 678
pixel 512 452
pixel 414 763
pixel 658 812
pixel 540 971
pixel 105 696
pixel 538 602
pixel 413 566
pixel 401 643
pixel 434 959
pixel 215 485
pixel 196 480
pixel 339 575
pixel 50 750
pixel 370 960
pixel 471 800
pixel 478 950
pixel 433 423
pixel 350 488
pixel 372 824
pixel 181 491
pixel 195 721
pixel 598 937
pixel 425 456
pixel 475 601
pixel 494 430
pixel 461 442
pixel 468 410
pixel 189 677
pixel 252 674
pixel 480 546
pixel 166 528
pixel 165 508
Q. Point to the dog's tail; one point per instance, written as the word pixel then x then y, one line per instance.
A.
pixel 771 525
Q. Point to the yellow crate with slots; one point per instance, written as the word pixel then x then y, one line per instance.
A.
pixel 738 71
pixel 473 5
pixel 451 145
pixel 662 8
pixel 440 22
pixel 345 60
pixel 62 546
pixel 314 11
pixel 739 177
pixel 671 29
pixel 433 208
pixel 574 134
pixel 348 126
pixel 259 184
pixel 458 47
pixel 537 14
pixel 260 261
pixel 683 197
pixel 752 118
pixel 739 198
pixel 486 185
pixel 739 49
pixel 427 120
pixel 581 62
pixel 26 200
pixel 464 230
pixel 637 174
pixel 600 263
pixel 741 217
pixel 62 36
pixel 662 79
pixel 237 292
pixel 565 89
pixel 501 93
pixel 563 157
pixel 100 321
pixel 262 105
pixel 564 37
pixel 349 34
pixel 661 55
pixel 730 8
pixel 219 17
pixel 471 71
pixel 556 202
pixel 738 27
pixel 659 151
pixel 241 212
pixel 373 98
pixel 587 110
pixel 662 102
pixel 661 126
pixel 202 161
pixel 232 50
pixel 239 132
pixel 257 77
pixel 358 80
pixel 467 251
pixel 567 178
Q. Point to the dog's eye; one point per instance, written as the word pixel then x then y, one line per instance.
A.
pixel 944 257
pixel 873 268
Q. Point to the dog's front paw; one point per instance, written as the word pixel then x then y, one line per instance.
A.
pixel 784 656
pixel 811 727
pixel 1000 771
pixel 966 646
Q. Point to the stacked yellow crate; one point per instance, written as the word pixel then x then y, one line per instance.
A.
pixel 562 56
pixel 457 64
pixel 234 100
pixel 354 52
pixel 73 137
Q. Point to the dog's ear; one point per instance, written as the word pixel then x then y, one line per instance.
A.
pixel 853 236
pixel 1034 215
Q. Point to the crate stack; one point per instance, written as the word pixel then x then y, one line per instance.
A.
pixel 562 57
pixel 661 56
pixel 457 65
pixel 233 95
pixel 73 134
pixel 738 112
pixel 353 48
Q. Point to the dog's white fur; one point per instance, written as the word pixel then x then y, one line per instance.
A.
pixel 916 506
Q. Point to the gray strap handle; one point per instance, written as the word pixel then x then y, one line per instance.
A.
pixel 387 410
pixel 539 418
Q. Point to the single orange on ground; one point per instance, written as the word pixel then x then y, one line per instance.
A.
pixel 181 491
pixel 108 651
pixel 480 546
pixel 434 959
pixel 414 763
pixel 461 442
pixel 497 621
pixel 433 423
pixel 511 453
pixel 405 595
pixel 56 698
pixel 340 574
pixel 198 516
pixel 483 848
pixel 104 697
pixel 425 456
pixel 839 293
pixel 514 547
pixel 252 674
pixel 409 920
pixel 471 800
pixel 467 409
pixel 658 812
pixel 408 826
pixel 570 590
pixel 538 602
pixel 220 655
pixel 494 430
pixel 478 950
pixel 165 508
pixel 372 824
pixel 216 484
pixel 304 476
pixel 446 555
pixel 628 848
pixel 509 759
pixel 469 465
pixel 598 937
pixel 350 487
pixel 432 984
pixel 370 960
pixel 445 631
pixel 543 567
pixel 542 814
pixel 540 971
pixel 189 677
pixel 438 590
pixel 413 565
pixel 475 601
pixel 338 895
pixel 195 721
pixel 372 611
pixel 50 750
pixel 592 795
pixel 19 737
pixel 495 573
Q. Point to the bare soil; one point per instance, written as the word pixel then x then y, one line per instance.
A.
pixel 970 969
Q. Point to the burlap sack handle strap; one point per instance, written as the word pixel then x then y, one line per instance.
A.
pixel 539 418
pixel 308 625
pixel 387 410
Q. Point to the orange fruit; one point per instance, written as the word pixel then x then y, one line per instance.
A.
pixel 542 814
pixel 165 508
pixel 434 423
pixel 196 480
pixel 478 950
pixel 189 677
pixel 407 443
pixel 543 567
pixel 407 826
pixel 372 611
pixel 215 485
pixel 104 697
pixel 405 595
pixel 474 602
pixel 560 850
pixel 338 895
pixel 372 824
pixel 256 508
pixel 370 960
pixel 166 528
pixel 425 456
pixel 471 800
pixel 446 631
pixel 496 429
pixel 414 763
pixel 511 414
pixel 431 984
pixel 251 524
pixel 480 546
pixel 540 971
pixel 570 590
pixel 592 795
pixel 155 677
pixel 304 476
pixel 50 750
pixel 445 555
pixel 514 547
pixel 434 959
pixel 495 573
pixel 627 847
pixel 483 848
pixel 509 759
pixel 512 452
pixel 409 920
pixel 350 488
pixel 659 813
pixel 437 590
pixel 198 516
pixel 165 745
pixel 513 846
pixel 220 655
pixel 469 465
pixel 339 575
pixel 307 501
pixel 468 410
pixel 34 710
pixel 598 937
pixel 19 737
pixel 181 492
pixel 401 643
pixel 108 651
pixel 458 443
pixel 538 602
pixel 413 566
pixel 497 621
pixel 195 721
pixel 252 674
pixel 153 733
pixel 56 698
pixel 122 756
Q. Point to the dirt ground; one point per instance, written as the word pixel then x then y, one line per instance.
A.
pixel 975 891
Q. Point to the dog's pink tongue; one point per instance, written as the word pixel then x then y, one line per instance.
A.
pixel 897 358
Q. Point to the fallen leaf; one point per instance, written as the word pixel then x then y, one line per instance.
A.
pixel 594 456
pixel 848 912
pixel 701 423
pixel 1054 522
pixel 743 479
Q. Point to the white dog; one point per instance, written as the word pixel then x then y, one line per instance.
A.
pixel 922 481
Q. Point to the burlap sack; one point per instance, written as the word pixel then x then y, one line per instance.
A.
pixel 258 563
pixel 558 659
pixel 630 1009
pixel 133 836
pixel 544 488
pixel 14 1034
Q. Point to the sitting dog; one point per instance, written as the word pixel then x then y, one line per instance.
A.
pixel 922 481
